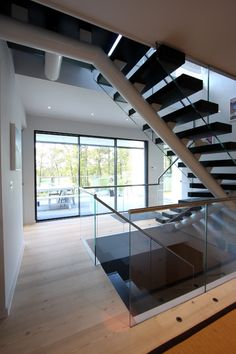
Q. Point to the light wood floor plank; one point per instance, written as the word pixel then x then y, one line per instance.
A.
pixel 64 304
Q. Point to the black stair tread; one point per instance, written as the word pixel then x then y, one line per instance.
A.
pixel 127 51
pixel 161 63
pixel 190 200
pixel 102 81
pixel 146 127
pixel 205 131
pixel 210 148
pixel 118 98
pixel 158 141
pixel 222 176
pixel 183 86
pixel 229 187
pixel 179 210
pixel 200 194
pixel 213 163
pixel 161 219
pixel 193 112
pixel 170 214
pixel 130 52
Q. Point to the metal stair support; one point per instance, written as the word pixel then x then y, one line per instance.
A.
pixel 18 32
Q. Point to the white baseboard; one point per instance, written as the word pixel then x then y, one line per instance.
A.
pixel 12 291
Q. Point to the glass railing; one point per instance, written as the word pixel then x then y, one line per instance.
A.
pixel 158 276
pixel 154 263
pixel 202 233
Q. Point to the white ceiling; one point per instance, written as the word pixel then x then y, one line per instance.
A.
pixel 69 102
pixel 203 29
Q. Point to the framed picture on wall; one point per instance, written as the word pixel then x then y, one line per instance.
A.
pixel 15 148
pixel 233 108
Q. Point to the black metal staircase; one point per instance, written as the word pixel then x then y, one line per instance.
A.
pixel 157 67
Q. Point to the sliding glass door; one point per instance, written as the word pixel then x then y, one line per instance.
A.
pixel 57 170
pixel 130 174
pixel 114 169
pixel 97 169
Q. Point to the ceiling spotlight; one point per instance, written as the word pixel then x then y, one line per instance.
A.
pixel 49 107
pixel 92 114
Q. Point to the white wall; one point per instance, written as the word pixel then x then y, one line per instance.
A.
pixel 65 126
pixel 11 218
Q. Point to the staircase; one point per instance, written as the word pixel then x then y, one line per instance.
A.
pixel 146 77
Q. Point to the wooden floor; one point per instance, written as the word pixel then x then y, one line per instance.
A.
pixel 63 304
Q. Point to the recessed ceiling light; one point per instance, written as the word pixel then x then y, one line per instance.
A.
pixel 92 114
pixel 49 107
pixel 126 118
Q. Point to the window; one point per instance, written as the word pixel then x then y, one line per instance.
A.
pixel 114 169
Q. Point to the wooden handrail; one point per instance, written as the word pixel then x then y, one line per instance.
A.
pixel 180 205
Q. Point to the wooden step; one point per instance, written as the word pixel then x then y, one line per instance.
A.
pixel 183 86
pixel 213 163
pixel 193 112
pixel 210 148
pixel 226 187
pixel 161 63
pixel 221 176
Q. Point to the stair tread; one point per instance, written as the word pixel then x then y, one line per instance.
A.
pixel 182 86
pixel 152 71
pixel 190 200
pixel 118 98
pixel 160 218
pixel 213 163
pixel 204 131
pixel 223 186
pixel 146 127
pixel 210 148
pixel 222 176
pixel 200 194
pixel 129 51
pixel 102 81
pixel 169 214
pixel 193 112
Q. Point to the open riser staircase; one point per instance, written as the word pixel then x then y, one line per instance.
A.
pixel 150 72
pixel 157 68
